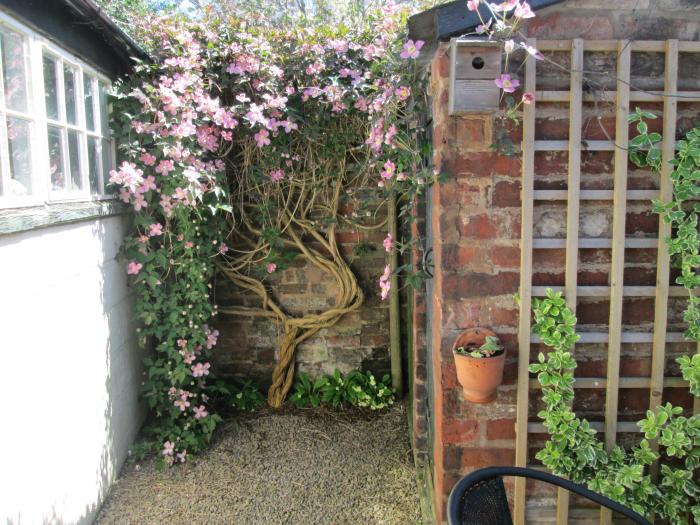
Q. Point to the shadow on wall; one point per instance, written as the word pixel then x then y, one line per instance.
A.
pixel 68 337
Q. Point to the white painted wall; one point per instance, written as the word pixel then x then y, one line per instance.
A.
pixel 69 371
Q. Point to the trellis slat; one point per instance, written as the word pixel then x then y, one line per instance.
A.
pixel 663 261
pixel 618 250
pixel 593 242
pixel 563 145
pixel 528 160
pixel 625 382
pixel 627 337
pixel 609 96
pixel 595 195
pixel 572 211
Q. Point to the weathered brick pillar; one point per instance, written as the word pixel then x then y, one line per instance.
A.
pixel 476 229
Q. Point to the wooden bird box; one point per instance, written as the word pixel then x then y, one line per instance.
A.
pixel 474 65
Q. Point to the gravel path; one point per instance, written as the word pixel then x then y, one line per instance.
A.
pixel 291 467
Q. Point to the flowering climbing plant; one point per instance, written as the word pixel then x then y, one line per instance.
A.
pixel 243 146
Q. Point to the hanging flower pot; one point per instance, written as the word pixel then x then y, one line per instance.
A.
pixel 479 359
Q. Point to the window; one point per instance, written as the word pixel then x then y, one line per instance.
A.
pixel 55 143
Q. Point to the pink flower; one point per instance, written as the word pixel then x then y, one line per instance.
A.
pixel 168 448
pixel 403 93
pixel 133 268
pixel 385 282
pixel 528 98
pixel 524 11
pixel 271 267
pixel 182 456
pixel 212 338
pixel 276 175
pixel 389 170
pixel 533 51
pixel 147 159
pixel 155 229
pixel 200 370
pixel 182 343
pixel 223 248
pixel 472 5
pixel 200 412
pixel 165 166
pixel 149 183
pixel 188 358
pixel 484 28
pixel 506 83
pixel 182 404
pixel 388 243
pixel 261 138
pixel 504 6
pixel 412 49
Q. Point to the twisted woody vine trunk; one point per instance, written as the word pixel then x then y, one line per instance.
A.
pixel 296 215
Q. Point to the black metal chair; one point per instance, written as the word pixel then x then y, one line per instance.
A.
pixel 480 497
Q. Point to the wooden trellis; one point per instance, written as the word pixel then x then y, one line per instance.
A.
pixel 619 196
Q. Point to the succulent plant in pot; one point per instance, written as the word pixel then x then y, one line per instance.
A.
pixel 479 359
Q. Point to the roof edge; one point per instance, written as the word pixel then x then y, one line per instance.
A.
pixel 442 22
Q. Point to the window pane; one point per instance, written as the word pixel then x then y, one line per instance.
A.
pixel 58 179
pixel 70 93
pixel 104 117
pixel 74 159
pixel 106 160
pixel 18 142
pixel 13 70
pixel 88 95
pixel 92 164
pixel 51 88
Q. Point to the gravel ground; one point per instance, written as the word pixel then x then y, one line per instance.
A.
pixel 291 467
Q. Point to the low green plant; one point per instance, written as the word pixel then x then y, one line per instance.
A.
pixel 307 392
pixel 359 389
pixel 334 391
pixel 574 451
pixel 365 391
pixel 246 396
pixel 491 348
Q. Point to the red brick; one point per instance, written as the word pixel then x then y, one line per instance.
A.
pixel 478 227
pixel 500 429
pixel 460 431
pixel 505 256
pixel 597 162
pixel 548 163
pixel 506 194
pixel 470 131
pixel 647 222
pixel 486 457
pixel 552 128
pixel 481 284
pixel 503 316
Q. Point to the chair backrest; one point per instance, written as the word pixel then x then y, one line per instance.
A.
pixel 480 498
pixel 482 503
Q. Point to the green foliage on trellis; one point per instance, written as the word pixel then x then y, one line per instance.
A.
pixel 574 451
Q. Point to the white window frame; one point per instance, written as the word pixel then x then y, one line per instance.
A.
pixel 36 46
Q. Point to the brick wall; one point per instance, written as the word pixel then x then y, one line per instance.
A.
pixel 476 230
pixel 247 346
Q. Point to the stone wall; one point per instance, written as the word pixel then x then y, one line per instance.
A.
pixel 476 240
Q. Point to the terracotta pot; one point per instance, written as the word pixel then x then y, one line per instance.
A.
pixel 479 377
